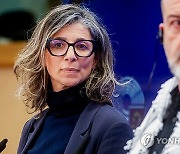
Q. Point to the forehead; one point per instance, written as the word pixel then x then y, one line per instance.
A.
pixel 75 30
pixel 171 7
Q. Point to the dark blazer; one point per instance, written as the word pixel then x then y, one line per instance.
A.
pixel 100 129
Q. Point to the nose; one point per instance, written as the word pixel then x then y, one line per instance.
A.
pixel 70 55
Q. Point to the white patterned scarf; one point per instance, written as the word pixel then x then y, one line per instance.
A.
pixel 152 123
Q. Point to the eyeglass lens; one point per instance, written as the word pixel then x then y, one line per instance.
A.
pixel 82 48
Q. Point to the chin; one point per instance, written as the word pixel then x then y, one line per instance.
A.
pixel 71 83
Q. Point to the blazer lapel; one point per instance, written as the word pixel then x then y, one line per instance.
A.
pixel 81 132
pixel 36 125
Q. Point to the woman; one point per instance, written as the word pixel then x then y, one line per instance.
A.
pixel 67 68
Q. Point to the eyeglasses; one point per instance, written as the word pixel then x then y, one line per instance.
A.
pixel 59 47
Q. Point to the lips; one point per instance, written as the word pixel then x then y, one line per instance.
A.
pixel 70 70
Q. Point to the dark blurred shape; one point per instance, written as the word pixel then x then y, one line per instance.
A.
pixel 72 1
pixel 16 25
pixel 77 1
pixel 3 144
pixel 53 3
pixel 136 115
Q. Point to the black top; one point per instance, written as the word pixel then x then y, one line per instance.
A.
pixel 67 102
pixel 65 109
pixel 168 122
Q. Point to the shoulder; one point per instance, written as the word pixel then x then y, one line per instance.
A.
pixel 29 126
pixel 168 86
pixel 108 119
pixel 110 114
pixel 163 97
pixel 112 130
pixel 35 119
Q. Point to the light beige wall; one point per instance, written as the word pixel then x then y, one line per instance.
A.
pixel 12 111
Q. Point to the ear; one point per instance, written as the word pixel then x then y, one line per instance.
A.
pixel 161 26
pixel 161 32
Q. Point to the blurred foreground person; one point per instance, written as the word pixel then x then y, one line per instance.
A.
pixel 160 130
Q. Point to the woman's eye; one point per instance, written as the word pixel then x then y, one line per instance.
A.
pixel 81 46
pixel 58 45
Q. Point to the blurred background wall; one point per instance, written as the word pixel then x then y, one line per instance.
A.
pixel 12 112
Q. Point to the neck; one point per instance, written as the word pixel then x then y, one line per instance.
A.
pixel 69 101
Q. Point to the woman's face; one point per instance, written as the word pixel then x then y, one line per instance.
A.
pixel 69 70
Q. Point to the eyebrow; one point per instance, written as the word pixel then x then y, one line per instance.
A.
pixel 78 39
pixel 173 16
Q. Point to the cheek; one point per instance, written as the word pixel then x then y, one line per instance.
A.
pixel 87 65
pixel 51 63
pixel 48 61
pixel 171 45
